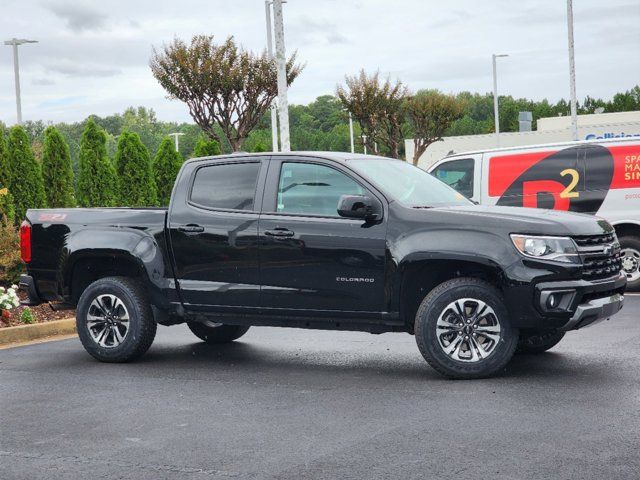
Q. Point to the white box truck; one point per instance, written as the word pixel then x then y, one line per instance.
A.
pixel 599 177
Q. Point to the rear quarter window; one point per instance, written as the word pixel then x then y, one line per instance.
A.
pixel 226 186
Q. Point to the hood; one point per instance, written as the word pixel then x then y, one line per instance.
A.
pixel 525 220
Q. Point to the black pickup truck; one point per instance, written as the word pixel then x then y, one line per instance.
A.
pixel 325 240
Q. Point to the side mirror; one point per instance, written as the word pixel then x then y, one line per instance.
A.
pixel 359 206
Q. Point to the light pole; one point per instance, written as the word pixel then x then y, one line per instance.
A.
pixel 274 113
pixel 14 42
pixel 353 149
pixel 364 143
pixel 176 136
pixel 572 73
pixel 281 63
pixel 496 115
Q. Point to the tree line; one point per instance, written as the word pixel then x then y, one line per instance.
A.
pixel 68 156
pixel 131 177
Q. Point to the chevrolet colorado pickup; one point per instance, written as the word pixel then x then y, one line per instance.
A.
pixel 325 240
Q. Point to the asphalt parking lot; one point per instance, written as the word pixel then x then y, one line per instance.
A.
pixel 295 404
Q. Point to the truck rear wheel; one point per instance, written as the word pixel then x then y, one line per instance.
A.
pixel 463 331
pixel 538 341
pixel 114 320
pixel 630 251
pixel 215 333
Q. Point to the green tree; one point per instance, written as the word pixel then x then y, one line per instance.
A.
pixel 7 212
pixel 96 175
pixel 206 148
pixel 259 147
pixel 166 165
pixel 56 170
pixel 222 84
pixel 26 178
pixel 136 186
pixel 430 113
pixel 378 107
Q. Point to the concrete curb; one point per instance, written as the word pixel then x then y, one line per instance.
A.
pixel 36 331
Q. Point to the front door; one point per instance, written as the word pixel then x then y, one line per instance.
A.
pixel 312 260
pixel 214 235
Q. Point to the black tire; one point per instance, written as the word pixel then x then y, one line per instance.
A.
pixel 141 329
pixel 632 243
pixel 538 341
pixel 437 302
pixel 215 334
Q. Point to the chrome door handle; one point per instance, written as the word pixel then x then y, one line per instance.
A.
pixel 191 228
pixel 279 233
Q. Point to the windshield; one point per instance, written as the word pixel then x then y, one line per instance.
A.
pixel 407 184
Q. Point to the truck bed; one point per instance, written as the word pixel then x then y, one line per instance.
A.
pixel 62 237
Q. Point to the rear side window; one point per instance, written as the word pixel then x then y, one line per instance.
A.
pixel 312 189
pixel 228 186
pixel 458 174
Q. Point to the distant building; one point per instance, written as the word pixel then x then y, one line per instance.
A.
pixel 551 129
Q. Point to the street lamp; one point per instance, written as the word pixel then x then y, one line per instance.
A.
pixel 572 73
pixel 274 113
pixel 495 96
pixel 281 65
pixel 14 42
pixel 175 136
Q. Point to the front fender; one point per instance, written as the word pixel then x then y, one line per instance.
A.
pixel 455 245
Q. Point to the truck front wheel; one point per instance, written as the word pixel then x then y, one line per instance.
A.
pixel 462 329
pixel 114 320
pixel 215 333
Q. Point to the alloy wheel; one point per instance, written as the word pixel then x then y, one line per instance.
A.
pixel 468 330
pixel 108 321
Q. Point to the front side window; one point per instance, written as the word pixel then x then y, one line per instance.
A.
pixel 227 186
pixel 312 189
pixel 458 174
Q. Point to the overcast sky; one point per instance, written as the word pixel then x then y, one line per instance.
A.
pixel 93 55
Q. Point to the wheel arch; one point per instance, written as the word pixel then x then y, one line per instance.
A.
pixel 627 228
pixel 421 276
pixel 85 267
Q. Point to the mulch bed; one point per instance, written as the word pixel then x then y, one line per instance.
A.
pixel 41 313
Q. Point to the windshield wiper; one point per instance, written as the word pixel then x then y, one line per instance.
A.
pixel 422 206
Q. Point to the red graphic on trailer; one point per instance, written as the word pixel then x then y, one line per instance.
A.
pixel 574 179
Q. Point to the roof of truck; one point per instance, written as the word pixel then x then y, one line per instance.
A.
pixel 338 156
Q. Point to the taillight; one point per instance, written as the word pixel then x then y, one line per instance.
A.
pixel 25 241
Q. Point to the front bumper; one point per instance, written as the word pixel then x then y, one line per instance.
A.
pixel 28 285
pixel 594 311
pixel 580 302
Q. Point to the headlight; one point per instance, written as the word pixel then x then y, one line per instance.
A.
pixel 559 249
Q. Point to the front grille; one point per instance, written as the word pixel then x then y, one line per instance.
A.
pixel 594 240
pixel 600 255
pixel 601 266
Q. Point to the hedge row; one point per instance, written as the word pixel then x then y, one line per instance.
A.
pixel 131 179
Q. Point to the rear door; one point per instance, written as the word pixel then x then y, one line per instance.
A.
pixel 213 226
pixel 314 262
